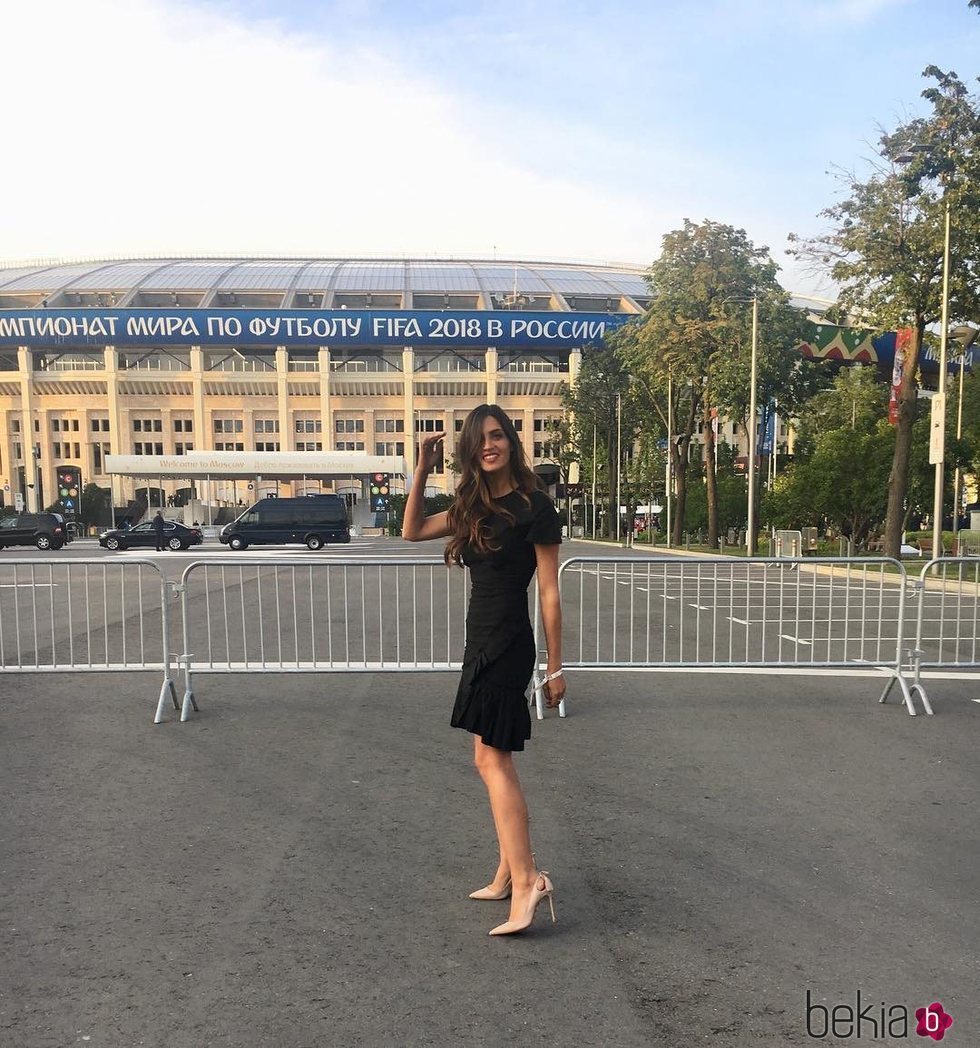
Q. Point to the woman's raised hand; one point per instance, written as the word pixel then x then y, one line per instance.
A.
pixel 430 450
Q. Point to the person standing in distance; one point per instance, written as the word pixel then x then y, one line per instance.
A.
pixel 504 528
pixel 158 530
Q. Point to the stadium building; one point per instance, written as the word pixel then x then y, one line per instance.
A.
pixel 228 379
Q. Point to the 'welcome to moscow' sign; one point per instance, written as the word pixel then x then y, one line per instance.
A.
pixel 293 327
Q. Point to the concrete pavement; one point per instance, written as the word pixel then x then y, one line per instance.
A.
pixel 290 867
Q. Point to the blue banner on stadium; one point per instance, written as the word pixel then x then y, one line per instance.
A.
pixel 294 327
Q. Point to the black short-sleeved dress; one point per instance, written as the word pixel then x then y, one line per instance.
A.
pixel 500 656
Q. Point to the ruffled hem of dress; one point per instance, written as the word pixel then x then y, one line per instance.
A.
pixel 500 716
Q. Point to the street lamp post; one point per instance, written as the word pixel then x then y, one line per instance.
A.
pixel 619 461
pixel 938 452
pixel 966 336
pixel 750 538
pixel 669 479
pixel 937 449
pixel 750 545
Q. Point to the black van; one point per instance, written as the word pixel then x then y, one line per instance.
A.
pixel 314 519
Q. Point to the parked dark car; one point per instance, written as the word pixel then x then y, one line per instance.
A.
pixel 175 536
pixel 44 530
pixel 312 519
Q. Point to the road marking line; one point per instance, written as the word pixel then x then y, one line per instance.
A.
pixel 795 640
pixel 741 622
pixel 700 607
pixel 27 585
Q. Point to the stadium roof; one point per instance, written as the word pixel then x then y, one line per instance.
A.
pixel 326 283
pixel 323 283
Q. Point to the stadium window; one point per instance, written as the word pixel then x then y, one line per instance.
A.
pixel 389 425
pixel 389 447
pixel 429 425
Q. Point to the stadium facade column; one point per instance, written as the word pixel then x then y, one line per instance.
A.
pixel 326 415
pixel 491 366
pixel 25 367
pixel 111 358
pixel 408 371
pixel 202 435
pixel 574 367
pixel 282 391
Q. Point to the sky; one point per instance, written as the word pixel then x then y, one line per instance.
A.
pixel 544 129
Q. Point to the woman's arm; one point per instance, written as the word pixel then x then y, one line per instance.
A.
pixel 416 526
pixel 547 557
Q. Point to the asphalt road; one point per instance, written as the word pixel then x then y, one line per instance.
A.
pixel 290 868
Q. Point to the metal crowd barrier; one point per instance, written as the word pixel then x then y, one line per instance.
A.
pixel 311 614
pixel 364 614
pixel 85 615
pixel 947 631
pixel 787 615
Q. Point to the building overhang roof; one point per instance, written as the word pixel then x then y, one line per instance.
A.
pixel 273 465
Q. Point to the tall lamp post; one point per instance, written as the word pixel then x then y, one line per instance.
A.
pixel 939 452
pixel 966 336
pixel 937 447
pixel 753 421
pixel 753 382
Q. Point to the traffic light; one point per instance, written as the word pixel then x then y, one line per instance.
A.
pixel 380 488
pixel 69 490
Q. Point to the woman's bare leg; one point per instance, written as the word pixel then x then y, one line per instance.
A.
pixel 496 768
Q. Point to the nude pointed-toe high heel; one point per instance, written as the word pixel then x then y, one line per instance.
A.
pixel 537 894
pixel 489 894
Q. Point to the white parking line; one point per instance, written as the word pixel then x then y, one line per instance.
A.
pixel 741 622
pixel 795 640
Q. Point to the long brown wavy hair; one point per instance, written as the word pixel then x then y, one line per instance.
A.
pixel 474 504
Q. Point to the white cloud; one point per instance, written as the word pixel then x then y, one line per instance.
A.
pixel 152 126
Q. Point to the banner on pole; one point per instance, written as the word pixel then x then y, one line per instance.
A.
pixel 903 336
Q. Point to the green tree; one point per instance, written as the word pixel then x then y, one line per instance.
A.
pixel 602 397
pixel 843 458
pixel 696 340
pixel 94 506
pixel 885 247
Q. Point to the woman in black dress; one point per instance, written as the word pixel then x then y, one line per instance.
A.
pixel 504 528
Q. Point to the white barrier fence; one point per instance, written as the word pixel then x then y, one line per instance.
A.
pixel 765 615
pixel 947 631
pixel 368 614
pixel 86 615
pixel 276 614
